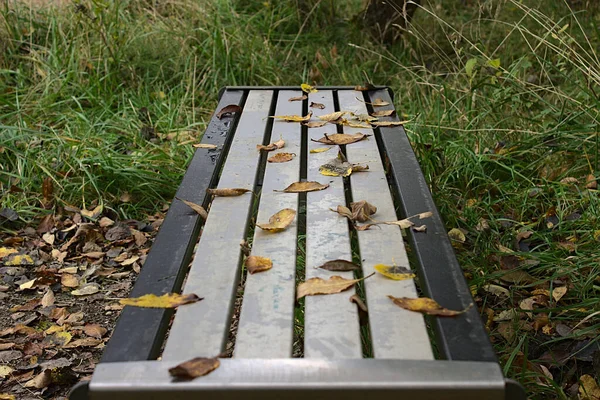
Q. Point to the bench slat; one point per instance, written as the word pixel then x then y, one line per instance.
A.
pixel 395 333
pixel 267 317
pixel 201 329
pixel 331 321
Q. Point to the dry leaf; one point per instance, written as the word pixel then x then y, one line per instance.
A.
pixel 230 109
pixel 194 368
pixel 281 157
pixel 7 396
pixel 69 280
pixel 339 265
pixel 336 167
pixel 315 124
pixel 388 123
pixel 591 182
pixel 421 228
pixel 383 113
pixel 308 89
pixel 19 259
pixel 341 138
pixel 457 235
pixel 5 251
pixel 352 124
pixel 95 213
pixel 425 305
pixel 588 388
pixel 204 146
pixel 343 211
pixel 42 380
pixel 334 284
pixel 317 105
pixel 48 299
pixel 48 238
pixel 559 292
pixel 365 87
pixel 301 187
pixel 375 103
pixel 270 147
pixel 332 116
pixel 293 118
pixel 84 342
pixel 279 221
pixel 361 210
pixel 86 290
pixel 168 300
pixel 365 227
pixel 245 248
pixel 317 150
pixel 394 272
pixel 227 192
pixel 258 264
pixel 196 207
pixel 94 330
pixel 363 117
pixel 300 98
pixel 362 309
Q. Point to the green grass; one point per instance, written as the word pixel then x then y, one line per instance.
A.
pixel 504 97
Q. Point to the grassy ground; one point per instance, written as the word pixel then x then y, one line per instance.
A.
pixel 104 98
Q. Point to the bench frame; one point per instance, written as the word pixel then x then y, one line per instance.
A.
pixel 469 368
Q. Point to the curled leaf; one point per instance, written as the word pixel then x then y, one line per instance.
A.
pixel 339 265
pixel 421 228
pixel 364 117
pixel 343 211
pixel 362 309
pixel 168 300
pixel 299 98
pixel 341 138
pixel 365 87
pixel 227 192
pixel 196 207
pixel 270 147
pixel 388 123
pixel 293 118
pixel 204 146
pixel 279 221
pixel 334 284
pixel 383 113
pixel 375 103
pixel 332 116
pixel 306 88
pixel 315 124
pixel 365 227
pixel 317 105
pixel 195 367
pixel 425 305
pixel 230 109
pixel 457 235
pixel 281 157
pixel 301 187
pixel 352 124
pixel 258 264
pixel 320 150
pixel 361 210
pixel 394 272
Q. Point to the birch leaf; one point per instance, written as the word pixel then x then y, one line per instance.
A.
pixel 168 300
pixel 332 116
pixel 281 157
pixel 279 221
pixel 317 150
pixel 334 284
pixel 293 118
pixel 394 272
pixel 339 265
pixel 425 305
pixel 227 192
pixel 258 264
pixel 306 88
pixel 196 207
pixel 301 187
pixel 195 367
pixel 341 138
pixel 270 147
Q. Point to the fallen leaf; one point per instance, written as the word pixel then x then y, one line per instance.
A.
pixel 568 180
pixel 316 286
pixel 317 105
pixel 69 280
pixel 301 187
pixel 196 207
pixel 365 227
pixel 365 87
pixel 315 124
pixel 93 214
pixel 359 168
pixel 299 98
pixel 421 228
pixel 57 339
pixel 279 221
pixel 588 388
pixel 558 293
pixel 394 272
pixel 343 211
pixel 281 157
pixel 388 123
pixel 339 265
pixel 591 182
pixel 317 150
pixel 7 396
pixel 204 146
pixel 341 138
pixel 308 88
pixel 362 309
pixel 84 342
pixel 230 109
pixel 48 238
pixel 48 299
pixel 169 300
pixel 27 285
pixel 376 103
pixel 195 368
pixel 227 192
pixel 497 290
pixel 270 147
pixel 94 330
pixel 5 251
pixel 336 167
pixel 245 248
pixel 258 264
pixel 362 210
pixel 5 371
pixel 334 116
pixel 86 290
pixel 383 113
pixel 9 214
pixel 18 259
pixel 517 276
pixel 457 235
pixel 293 118
pixel 363 117
pixel 425 305
pixel 42 380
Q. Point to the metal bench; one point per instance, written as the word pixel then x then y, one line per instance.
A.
pixel 397 355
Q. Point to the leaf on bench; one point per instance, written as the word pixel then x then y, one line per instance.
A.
pixel 195 367
pixel 334 284
pixel 375 103
pixel 336 167
pixel 204 146
pixel 339 265
pixel 169 300
pixel 362 210
pixel 317 105
pixel 383 113
pixel 425 305
pixel 320 150
pixel 363 88
pixel 279 221
pixel 301 187
pixel 281 157
pixel 196 207
pixel 394 272
pixel 299 98
pixel 230 109
pixel 270 147
pixel 334 116
pixel 293 118
pixel 341 138
pixel 258 264
pixel 362 309
pixel 227 192
pixel 315 124
pixel 388 123
pixel 308 89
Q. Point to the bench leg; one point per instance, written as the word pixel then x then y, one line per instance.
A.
pixel 80 391
pixel 514 390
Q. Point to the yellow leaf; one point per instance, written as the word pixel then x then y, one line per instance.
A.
pixel 279 221
pixel 19 259
pixel 5 251
pixel 383 113
pixel 588 388
pixel 376 102
pixel 559 292
pixel 394 272
pixel 336 167
pixel 388 123
pixel 227 192
pixel 324 149
pixel 332 117
pixel 204 146
pixel 341 138
pixel 301 187
pixel 334 284
pixel 196 207
pixel 60 338
pixel 457 235
pixel 270 147
pixel 95 213
pixel 308 89
pixel 258 264
pixel 293 118
pixel 299 98
pixel 315 124
pixel 281 157
pixel 195 367
pixel 169 300
pixel 7 396
pixel 425 305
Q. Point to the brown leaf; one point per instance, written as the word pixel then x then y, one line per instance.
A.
pixel 317 105
pixel 316 286
pixel 339 265
pixel 591 182
pixel 86 289
pixel 93 214
pixel 293 118
pixel 361 210
pixel 227 192
pixel 332 116
pixel 230 109
pixel 48 299
pixel 42 380
pixel 376 102
pixel 588 388
pixel 388 123
pixel 517 276
pixel 168 300
pixel 352 124
pixel 46 224
pixel 94 330
pixel 343 211
pixel 364 117
pixel 204 146
pixel 383 113
pixel 196 207
pixel 69 280
pixel 425 305
pixel 362 309
pixel 245 248
pixel 47 191
pixel 258 264
pixel 281 157
pixel 359 168
pixel 320 150
pixel 279 221
pixel 364 88
pixel 84 342
pixel 270 147
pixel 341 138
pixel 365 227
pixel 301 187
pixel 300 98
pixel 194 368
pixel 558 293
pixel 315 124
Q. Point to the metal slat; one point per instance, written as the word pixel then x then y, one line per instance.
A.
pixel 331 328
pixel 395 333
pixel 463 337
pixel 266 323
pixel 139 332
pixel 201 329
